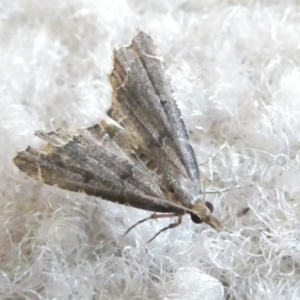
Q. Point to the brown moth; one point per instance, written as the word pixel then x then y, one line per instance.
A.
pixel 141 158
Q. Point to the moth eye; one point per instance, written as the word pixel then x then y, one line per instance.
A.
pixel 170 189
pixel 196 219
pixel 209 206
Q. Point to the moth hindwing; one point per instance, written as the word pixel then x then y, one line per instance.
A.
pixel 142 157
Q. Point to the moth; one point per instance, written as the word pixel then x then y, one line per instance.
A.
pixel 140 156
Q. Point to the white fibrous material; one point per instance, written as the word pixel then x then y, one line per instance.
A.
pixel 235 72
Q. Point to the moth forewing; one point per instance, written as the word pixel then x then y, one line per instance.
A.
pixel 146 161
pixel 143 103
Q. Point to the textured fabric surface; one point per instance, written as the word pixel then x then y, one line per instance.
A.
pixel 235 73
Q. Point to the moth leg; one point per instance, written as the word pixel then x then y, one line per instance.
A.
pixel 170 226
pixel 210 159
pixel 153 216
pixel 215 154
pixel 228 189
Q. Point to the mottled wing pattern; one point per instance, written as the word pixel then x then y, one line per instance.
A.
pixel 145 161
pixel 144 105
pixel 87 160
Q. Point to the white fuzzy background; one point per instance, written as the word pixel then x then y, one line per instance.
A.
pixel 235 71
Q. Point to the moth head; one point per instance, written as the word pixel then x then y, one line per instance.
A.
pixel 202 212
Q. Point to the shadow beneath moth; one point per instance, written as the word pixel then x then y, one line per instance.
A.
pixel 141 157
